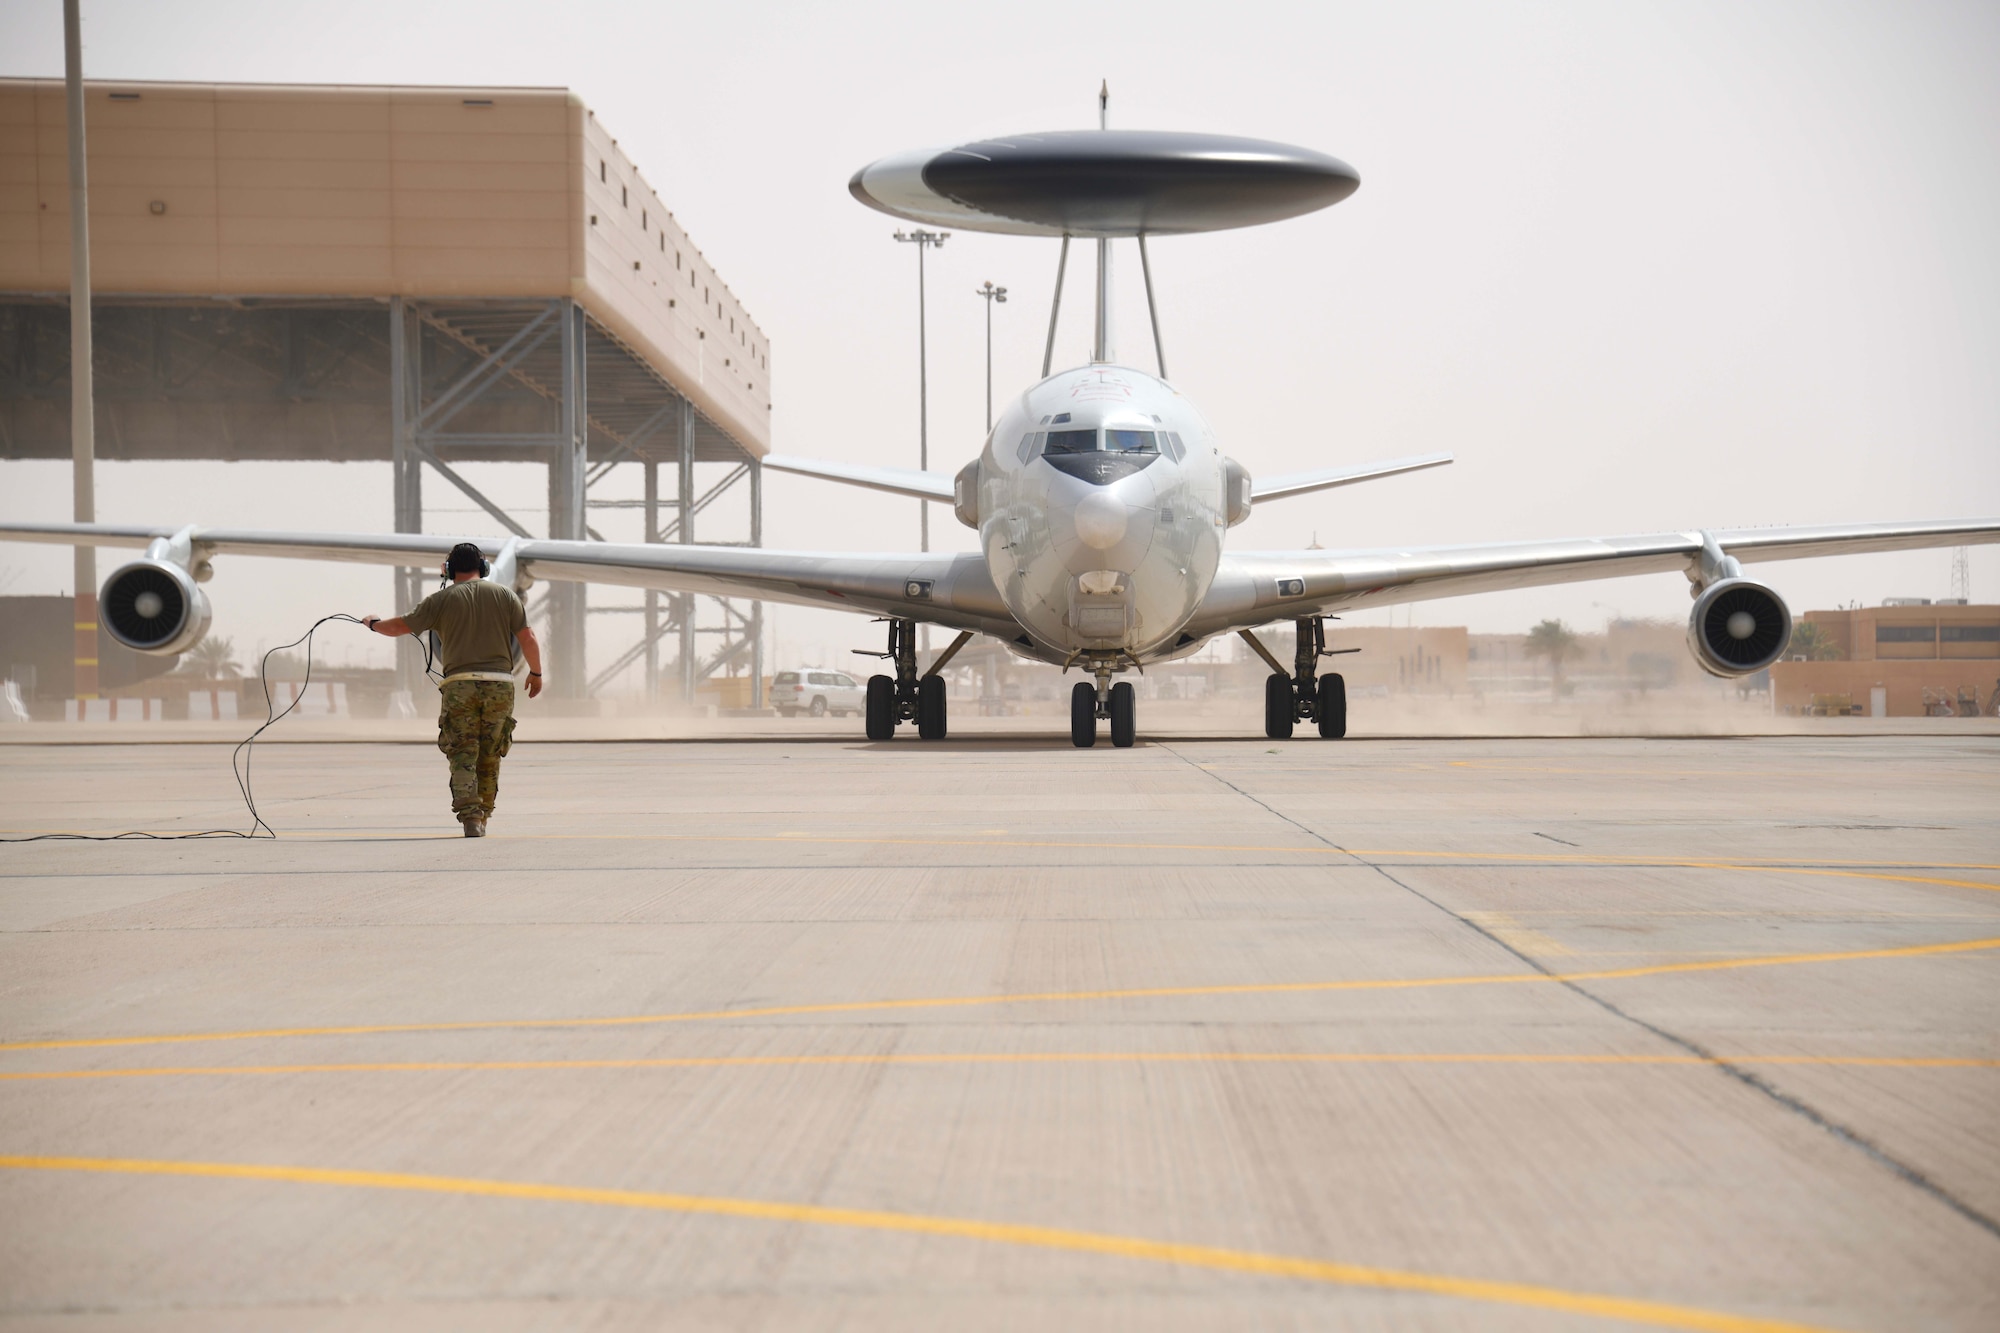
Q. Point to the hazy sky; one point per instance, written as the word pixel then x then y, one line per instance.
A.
pixel 1641 267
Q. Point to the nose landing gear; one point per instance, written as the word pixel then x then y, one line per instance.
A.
pixel 1304 695
pixel 906 696
pixel 1117 704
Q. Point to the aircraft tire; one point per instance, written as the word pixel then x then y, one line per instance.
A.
pixel 1332 707
pixel 1124 715
pixel 931 708
pixel 1083 715
pixel 1278 717
pixel 881 725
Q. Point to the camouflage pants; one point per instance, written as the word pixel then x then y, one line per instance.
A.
pixel 475 731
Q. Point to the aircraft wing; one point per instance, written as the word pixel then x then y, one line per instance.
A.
pixel 940 587
pixel 1300 483
pixel 1257 587
pixel 937 486
pixel 916 484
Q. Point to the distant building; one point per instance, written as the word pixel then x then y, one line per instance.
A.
pixel 1423 659
pixel 1629 656
pixel 1386 659
pixel 1906 658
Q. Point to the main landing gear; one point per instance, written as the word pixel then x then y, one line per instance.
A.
pixel 906 696
pixel 1115 703
pixel 1303 696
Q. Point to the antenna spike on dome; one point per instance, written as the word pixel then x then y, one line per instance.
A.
pixel 1104 105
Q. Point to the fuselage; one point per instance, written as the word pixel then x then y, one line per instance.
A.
pixel 1102 506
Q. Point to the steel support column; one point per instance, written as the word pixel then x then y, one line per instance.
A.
pixel 568 602
pixel 652 595
pixel 684 528
pixel 546 348
pixel 406 467
pixel 756 608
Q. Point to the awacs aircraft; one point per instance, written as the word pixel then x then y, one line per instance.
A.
pixel 1101 497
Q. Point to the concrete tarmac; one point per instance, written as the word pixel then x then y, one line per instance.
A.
pixel 808 1033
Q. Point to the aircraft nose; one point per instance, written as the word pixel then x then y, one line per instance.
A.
pixel 1101 518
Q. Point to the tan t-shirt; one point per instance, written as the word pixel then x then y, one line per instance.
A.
pixel 476 622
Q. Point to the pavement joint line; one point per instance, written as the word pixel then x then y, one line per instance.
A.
pixel 969 1001
pixel 1743 1076
pixel 1656 1314
pixel 949 1058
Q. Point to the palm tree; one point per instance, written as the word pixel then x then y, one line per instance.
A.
pixel 211 659
pixel 1557 642
pixel 1814 642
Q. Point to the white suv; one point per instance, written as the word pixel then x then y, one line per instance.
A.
pixel 818 692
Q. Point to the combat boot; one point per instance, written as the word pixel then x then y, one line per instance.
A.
pixel 474 827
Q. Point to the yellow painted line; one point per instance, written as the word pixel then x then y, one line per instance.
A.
pixel 1040 997
pixel 1655 1314
pixel 1869 874
pixel 1015 1058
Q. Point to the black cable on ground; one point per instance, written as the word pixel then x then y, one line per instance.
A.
pixel 240 757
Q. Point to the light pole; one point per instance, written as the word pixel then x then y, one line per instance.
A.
pixel 82 421
pixel 992 294
pixel 923 240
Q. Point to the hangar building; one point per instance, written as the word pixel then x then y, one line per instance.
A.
pixel 420 276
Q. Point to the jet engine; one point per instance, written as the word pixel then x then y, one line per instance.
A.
pixel 965 495
pixel 1235 491
pixel 153 606
pixel 1738 627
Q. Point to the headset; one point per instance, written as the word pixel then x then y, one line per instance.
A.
pixel 460 562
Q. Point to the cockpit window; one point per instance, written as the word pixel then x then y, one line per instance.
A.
pixel 1070 442
pixel 1108 441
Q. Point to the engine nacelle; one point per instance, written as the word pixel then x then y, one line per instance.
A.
pixel 965 495
pixel 1235 491
pixel 1738 627
pixel 153 606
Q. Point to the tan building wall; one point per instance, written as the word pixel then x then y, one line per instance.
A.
pixel 252 190
pixel 1905 650
pixel 1913 633
pixel 1795 685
